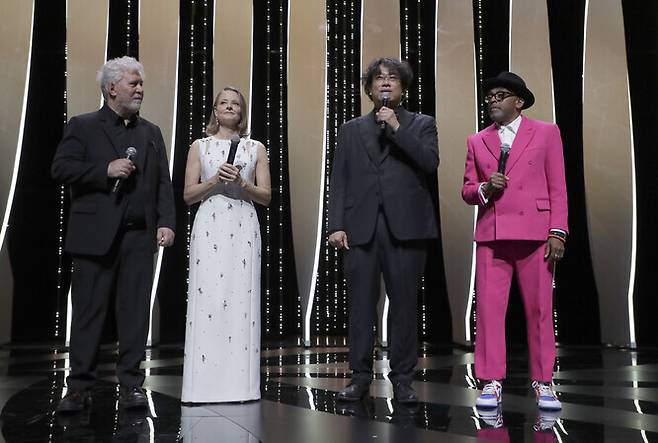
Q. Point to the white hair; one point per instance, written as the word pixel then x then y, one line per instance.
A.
pixel 113 70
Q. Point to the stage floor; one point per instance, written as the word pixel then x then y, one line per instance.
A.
pixel 608 395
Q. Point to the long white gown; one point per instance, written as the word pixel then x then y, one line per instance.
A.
pixel 222 334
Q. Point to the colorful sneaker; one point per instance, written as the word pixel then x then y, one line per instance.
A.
pixel 492 417
pixel 491 396
pixel 546 398
pixel 546 421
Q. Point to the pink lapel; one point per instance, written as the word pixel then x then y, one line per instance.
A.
pixel 521 141
pixel 492 140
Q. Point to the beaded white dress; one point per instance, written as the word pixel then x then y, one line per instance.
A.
pixel 222 334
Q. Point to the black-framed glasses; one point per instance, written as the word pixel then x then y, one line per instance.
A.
pixel 498 97
pixel 392 78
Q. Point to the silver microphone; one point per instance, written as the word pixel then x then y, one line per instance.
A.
pixel 130 153
pixel 504 153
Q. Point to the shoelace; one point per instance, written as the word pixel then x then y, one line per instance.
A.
pixel 490 389
pixel 545 390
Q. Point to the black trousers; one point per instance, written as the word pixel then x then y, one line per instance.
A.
pixel 402 264
pixel 128 270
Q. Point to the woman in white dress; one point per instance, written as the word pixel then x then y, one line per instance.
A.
pixel 222 335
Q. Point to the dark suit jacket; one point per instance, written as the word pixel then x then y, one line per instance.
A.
pixel 89 144
pixel 365 176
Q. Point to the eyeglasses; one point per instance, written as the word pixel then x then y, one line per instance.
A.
pixel 392 78
pixel 497 97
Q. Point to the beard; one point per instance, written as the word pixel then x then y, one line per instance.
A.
pixel 133 106
pixel 496 115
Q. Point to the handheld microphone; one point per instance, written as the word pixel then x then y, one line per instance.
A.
pixel 130 153
pixel 235 141
pixel 385 97
pixel 504 154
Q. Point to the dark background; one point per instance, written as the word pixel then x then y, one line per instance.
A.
pixel 38 217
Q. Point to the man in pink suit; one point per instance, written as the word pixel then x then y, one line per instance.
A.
pixel 521 227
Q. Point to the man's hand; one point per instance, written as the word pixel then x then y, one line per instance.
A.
pixel 388 115
pixel 497 182
pixel 554 249
pixel 120 168
pixel 165 237
pixel 338 240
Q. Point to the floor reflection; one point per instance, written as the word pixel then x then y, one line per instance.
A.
pixel 608 395
pixel 198 427
pixel 491 426
pixel 29 415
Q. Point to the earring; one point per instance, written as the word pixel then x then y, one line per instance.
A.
pixel 216 119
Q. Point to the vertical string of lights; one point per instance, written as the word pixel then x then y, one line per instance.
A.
pixel 61 304
pixel 128 7
pixel 555 322
pixel 194 98
pixel 63 261
pixel 190 137
pixel 280 303
pixel 479 78
pixel 418 39
pixel 343 104
pixel 38 203
pixel 198 97
pixel 268 143
pixel 479 61
pixel 282 21
pixel 123 37
pixel 413 102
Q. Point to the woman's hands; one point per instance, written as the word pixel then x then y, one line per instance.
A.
pixel 229 173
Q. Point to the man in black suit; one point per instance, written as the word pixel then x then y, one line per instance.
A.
pixel 122 209
pixel 381 214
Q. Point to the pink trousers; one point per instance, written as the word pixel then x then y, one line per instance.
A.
pixel 495 265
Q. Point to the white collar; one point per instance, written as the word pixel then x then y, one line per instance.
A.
pixel 512 126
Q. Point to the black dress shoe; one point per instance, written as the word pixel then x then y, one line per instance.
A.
pixel 354 408
pixel 354 391
pixel 132 397
pixel 74 401
pixel 404 393
pixel 78 420
pixel 132 423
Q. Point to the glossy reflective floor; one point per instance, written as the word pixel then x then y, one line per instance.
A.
pixel 608 395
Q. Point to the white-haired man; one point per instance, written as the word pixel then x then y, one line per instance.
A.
pixel 122 209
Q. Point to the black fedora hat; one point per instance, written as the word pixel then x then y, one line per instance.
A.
pixel 512 82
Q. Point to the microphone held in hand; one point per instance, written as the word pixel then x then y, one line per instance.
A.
pixel 504 154
pixel 235 141
pixel 385 97
pixel 130 153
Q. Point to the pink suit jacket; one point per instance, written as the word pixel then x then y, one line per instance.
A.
pixel 535 199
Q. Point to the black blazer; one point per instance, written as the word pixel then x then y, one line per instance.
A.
pixel 364 176
pixel 89 144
